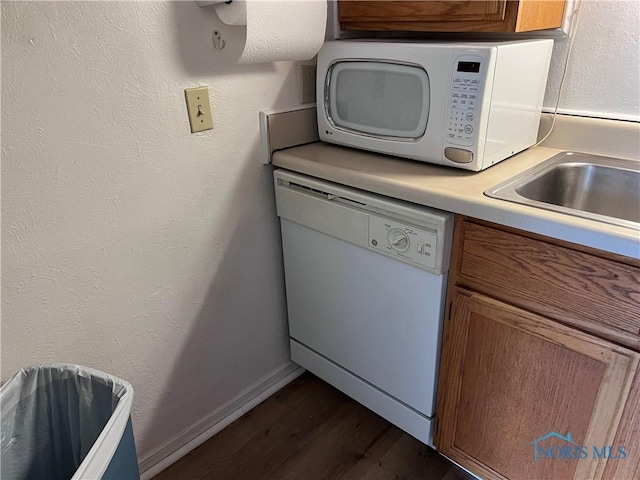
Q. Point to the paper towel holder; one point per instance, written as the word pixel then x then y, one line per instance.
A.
pixel 218 42
pixel 206 3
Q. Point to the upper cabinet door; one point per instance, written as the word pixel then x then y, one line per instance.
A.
pixel 450 16
pixel 430 11
pixel 520 394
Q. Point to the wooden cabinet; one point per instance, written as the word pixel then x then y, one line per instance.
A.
pixel 531 349
pixel 578 288
pixel 450 15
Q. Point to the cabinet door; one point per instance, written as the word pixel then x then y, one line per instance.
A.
pixel 510 378
pixel 412 11
pixel 450 15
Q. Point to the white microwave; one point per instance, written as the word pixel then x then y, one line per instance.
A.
pixel 465 105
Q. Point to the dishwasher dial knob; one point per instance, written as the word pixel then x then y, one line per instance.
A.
pixel 398 240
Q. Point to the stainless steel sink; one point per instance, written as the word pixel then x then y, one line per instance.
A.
pixel 600 188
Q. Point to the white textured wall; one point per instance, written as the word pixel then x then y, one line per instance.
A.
pixel 129 244
pixel 603 79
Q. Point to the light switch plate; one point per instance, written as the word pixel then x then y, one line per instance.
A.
pixel 198 108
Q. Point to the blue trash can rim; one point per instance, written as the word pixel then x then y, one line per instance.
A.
pixel 97 460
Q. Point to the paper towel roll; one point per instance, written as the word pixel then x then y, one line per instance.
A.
pixel 264 31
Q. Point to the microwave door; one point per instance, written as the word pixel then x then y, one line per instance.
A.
pixel 379 99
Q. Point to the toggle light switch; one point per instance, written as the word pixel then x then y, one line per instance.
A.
pixel 199 109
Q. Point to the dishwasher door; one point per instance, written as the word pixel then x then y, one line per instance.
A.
pixel 376 317
pixel 365 281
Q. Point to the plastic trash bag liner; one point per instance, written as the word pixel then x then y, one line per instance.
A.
pixel 66 422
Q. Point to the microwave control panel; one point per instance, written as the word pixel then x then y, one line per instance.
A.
pixel 466 89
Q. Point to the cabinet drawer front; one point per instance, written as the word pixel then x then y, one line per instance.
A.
pixel 577 288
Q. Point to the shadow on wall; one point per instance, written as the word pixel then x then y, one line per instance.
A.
pixel 242 319
pixel 239 334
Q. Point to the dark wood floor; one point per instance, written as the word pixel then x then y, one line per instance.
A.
pixel 310 431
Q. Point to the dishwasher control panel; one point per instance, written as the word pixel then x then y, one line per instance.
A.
pixel 401 240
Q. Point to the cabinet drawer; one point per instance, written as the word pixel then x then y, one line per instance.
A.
pixel 577 288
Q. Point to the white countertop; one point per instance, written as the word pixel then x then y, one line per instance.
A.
pixel 455 190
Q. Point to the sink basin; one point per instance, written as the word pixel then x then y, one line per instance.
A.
pixel 600 188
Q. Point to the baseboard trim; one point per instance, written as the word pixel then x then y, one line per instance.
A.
pixel 193 436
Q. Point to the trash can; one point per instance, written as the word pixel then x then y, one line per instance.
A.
pixel 62 422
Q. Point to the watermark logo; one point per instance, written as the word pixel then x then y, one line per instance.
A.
pixel 554 446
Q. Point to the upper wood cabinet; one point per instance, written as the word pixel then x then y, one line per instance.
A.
pixel 450 15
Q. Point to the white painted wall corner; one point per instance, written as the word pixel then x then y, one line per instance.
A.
pixel 195 435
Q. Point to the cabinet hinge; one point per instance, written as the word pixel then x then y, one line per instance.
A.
pixel 436 425
pixel 450 308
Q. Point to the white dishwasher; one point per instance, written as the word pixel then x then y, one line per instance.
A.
pixel 366 280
